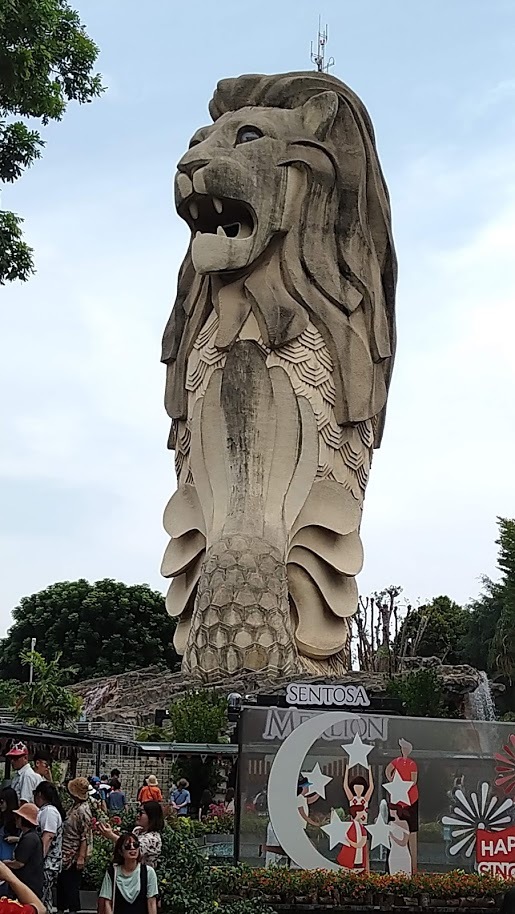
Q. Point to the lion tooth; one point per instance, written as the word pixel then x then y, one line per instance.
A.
pixel 218 205
pixel 194 210
pixel 220 231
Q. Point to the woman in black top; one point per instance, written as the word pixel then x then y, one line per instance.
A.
pixel 28 856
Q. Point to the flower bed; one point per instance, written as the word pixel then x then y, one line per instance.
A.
pixel 188 883
pixel 323 887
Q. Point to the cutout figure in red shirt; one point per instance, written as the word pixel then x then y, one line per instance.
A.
pixel 407 769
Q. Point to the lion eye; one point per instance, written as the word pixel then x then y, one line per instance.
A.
pixel 247 134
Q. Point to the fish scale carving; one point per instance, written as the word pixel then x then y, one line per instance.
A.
pixel 345 455
pixel 235 596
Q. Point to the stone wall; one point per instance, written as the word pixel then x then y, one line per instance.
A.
pixel 134 769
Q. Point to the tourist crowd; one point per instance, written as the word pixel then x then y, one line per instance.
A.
pixel 45 848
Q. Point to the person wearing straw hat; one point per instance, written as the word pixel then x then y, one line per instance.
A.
pixel 28 855
pixel 77 837
pixel 151 791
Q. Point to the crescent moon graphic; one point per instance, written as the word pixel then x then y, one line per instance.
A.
pixel 282 790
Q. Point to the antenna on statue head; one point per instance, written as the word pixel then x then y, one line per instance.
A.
pixel 318 57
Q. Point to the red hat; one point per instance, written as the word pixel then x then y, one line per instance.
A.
pixel 17 749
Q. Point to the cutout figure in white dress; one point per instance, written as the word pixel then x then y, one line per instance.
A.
pixel 399 860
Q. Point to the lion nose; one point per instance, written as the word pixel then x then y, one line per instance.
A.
pixel 189 164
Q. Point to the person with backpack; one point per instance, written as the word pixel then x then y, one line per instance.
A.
pixel 181 799
pixel 105 789
pixel 129 886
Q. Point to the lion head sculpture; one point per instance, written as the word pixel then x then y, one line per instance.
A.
pixel 289 160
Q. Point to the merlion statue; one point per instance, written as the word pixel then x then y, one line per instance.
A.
pixel 279 352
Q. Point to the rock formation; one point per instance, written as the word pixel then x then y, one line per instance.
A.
pixel 279 352
pixel 132 698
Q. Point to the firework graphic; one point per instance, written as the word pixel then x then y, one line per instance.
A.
pixel 505 768
pixel 481 810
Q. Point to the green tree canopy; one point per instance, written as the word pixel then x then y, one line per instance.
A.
pixel 46 61
pixel 421 692
pixel 435 630
pixel 200 716
pixel 484 615
pixel 503 642
pixel 99 629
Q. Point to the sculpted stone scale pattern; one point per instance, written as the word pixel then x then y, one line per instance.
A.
pixel 279 352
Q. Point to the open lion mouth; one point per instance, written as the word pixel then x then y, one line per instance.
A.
pixel 218 216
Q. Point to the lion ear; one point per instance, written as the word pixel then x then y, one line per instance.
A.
pixel 319 112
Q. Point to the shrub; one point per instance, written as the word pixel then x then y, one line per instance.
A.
pixel 323 886
pixel 188 885
pixel 209 825
pixel 97 864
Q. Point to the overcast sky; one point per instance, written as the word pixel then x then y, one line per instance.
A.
pixel 84 470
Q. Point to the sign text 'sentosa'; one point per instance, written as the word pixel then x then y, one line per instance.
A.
pixel 327 695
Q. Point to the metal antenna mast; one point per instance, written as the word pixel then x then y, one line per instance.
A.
pixel 318 58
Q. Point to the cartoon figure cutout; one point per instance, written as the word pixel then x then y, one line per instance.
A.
pixel 305 797
pixel 404 814
pixel 354 854
pixel 399 859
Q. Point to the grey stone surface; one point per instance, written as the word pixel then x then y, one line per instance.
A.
pixel 279 352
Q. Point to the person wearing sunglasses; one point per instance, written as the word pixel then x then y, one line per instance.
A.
pixel 129 886
pixel 149 826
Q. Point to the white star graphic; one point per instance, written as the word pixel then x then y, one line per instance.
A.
pixel 318 780
pixel 358 752
pixel 337 830
pixel 399 790
pixel 379 832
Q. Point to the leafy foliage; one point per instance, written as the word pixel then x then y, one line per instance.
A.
pixel 187 885
pixel 15 254
pixel 484 615
pixel 422 693
pixel 100 629
pixel 97 863
pixel 46 61
pixel 222 824
pixel 333 889
pixel 435 630
pixel 200 716
pixel 503 642
pixel 153 734
pixel 45 701
pixel 7 690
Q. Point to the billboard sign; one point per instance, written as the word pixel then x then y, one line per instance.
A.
pixel 346 790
